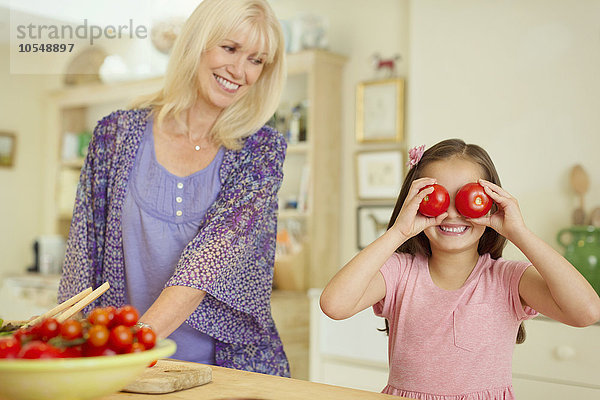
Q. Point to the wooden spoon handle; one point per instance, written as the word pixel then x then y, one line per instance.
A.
pixel 83 302
pixel 59 308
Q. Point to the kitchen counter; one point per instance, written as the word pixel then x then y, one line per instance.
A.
pixel 234 384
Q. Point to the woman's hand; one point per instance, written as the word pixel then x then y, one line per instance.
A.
pixel 409 221
pixel 508 220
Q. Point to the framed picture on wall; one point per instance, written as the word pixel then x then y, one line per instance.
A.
pixel 379 174
pixel 371 222
pixel 380 111
pixel 8 144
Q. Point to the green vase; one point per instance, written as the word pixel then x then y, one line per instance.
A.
pixel 582 249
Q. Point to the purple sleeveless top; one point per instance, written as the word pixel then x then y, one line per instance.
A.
pixel 161 215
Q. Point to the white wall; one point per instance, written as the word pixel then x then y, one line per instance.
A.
pixel 21 112
pixel 520 78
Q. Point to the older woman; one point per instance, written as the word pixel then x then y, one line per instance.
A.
pixel 177 200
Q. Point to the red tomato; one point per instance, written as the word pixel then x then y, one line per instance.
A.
pixel 99 316
pixel 112 312
pixel 120 339
pixel 71 329
pixel 93 351
pixel 435 203
pixel 72 351
pixel 48 329
pixel 472 201
pixel 136 347
pixel 23 335
pixel 97 335
pixel 126 315
pixel 38 349
pixel 146 336
pixel 152 364
pixel 9 347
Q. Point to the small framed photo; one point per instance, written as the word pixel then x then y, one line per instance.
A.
pixel 371 222
pixel 8 144
pixel 379 174
pixel 380 111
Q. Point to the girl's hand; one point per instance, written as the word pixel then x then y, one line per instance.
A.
pixel 508 220
pixel 409 221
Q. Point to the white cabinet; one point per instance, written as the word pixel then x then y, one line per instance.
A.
pixel 557 362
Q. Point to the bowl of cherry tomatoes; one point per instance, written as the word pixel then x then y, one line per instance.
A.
pixel 79 358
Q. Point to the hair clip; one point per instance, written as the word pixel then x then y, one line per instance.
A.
pixel 414 155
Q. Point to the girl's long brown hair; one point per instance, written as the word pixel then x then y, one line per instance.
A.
pixel 491 241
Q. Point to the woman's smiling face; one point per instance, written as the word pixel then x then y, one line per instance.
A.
pixel 227 71
pixel 455 233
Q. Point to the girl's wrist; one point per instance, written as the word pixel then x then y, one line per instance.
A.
pixel 518 235
pixel 396 236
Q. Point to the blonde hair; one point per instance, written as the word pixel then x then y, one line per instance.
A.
pixel 210 23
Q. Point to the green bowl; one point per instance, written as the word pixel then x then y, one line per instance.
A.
pixel 76 378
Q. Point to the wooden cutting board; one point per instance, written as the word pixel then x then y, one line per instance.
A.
pixel 170 376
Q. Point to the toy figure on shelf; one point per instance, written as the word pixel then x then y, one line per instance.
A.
pixel 385 68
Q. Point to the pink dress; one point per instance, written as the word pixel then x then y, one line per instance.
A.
pixel 452 345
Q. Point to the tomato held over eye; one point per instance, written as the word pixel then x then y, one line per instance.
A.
pixel 472 201
pixel 435 203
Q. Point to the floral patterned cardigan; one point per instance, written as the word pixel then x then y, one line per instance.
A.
pixel 231 258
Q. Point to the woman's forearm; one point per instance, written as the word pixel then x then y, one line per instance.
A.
pixel 174 305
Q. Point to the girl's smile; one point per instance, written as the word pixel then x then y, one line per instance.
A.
pixel 453 230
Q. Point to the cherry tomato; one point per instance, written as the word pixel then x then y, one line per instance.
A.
pixel 24 335
pixel 146 336
pixel 120 339
pixel 112 312
pixel 97 335
pixel 99 316
pixel 136 347
pixel 93 351
pixel 38 349
pixel 72 351
pixel 48 329
pixel 126 315
pixel 472 201
pixel 71 329
pixel 152 364
pixel 9 347
pixel 435 203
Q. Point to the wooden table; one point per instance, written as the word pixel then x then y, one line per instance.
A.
pixel 230 384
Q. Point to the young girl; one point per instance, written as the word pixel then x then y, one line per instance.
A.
pixel 454 307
